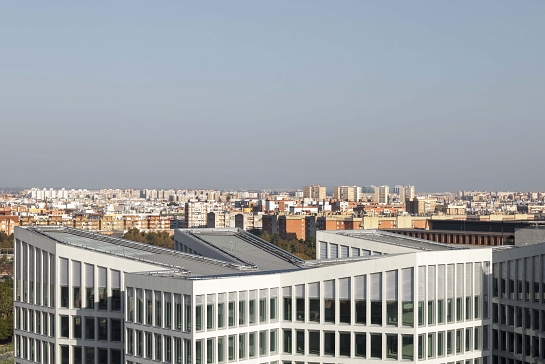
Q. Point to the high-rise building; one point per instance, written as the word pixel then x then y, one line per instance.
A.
pixel 382 194
pixel 314 192
pixel 347 193
pixel 406 193
pixel 196 213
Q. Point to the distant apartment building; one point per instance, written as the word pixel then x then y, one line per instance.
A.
pixel 421 206
pixel 347 193
pixel 248 221
pixel 196 213
pixel 292 227
pixel 8 223
pixel 382 194
pixel 314 192
pixel 406 193
pixel 338 222
pixel 219 219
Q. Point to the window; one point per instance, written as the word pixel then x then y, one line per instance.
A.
pixel 242 346
pixel 78 354
pixel 329 343
pixel 187 350
pixel 77 327
pixel 344 301
pixel 314 342
pixel 329 301
pixel 449 342
pixel 90 328
pixel 198 317
pixel 168 310
pixel 263 343
pixel 178 312
pixel 210 312
pixel 115 356
pixel 477 339
pixel 440 343
pixel 300 302
pixel 76 284
pixel 149 345
pixel 273 341
pixel 231 347
pixel 187 304
pixel 252 307
pixel 89 355
pixel 231 310
pixel 221 349
pixel 130 342
pixel 262 306
pixel 300 341
pixel 252 345
pixel 361 345
pixel 90 288
pixel 376 299
pixel 359 299
pixel 65 355
pixel 159 309
pixel 102 328
pixel 103 291
pixel 221 311
pixel 102 356
pixel 63 266
pixel 391 346
pixel 344 344
pixel 458 341
pixel 376 346
pixel 287 341
pixel 115 327
pixel 198 352
pixel 431 345
pixel 115 280
pixel 407 350
pixel 286 295
pixel 209 351
pixel 273 304
pixel 64 326
pixel 241 308
pixel 139 343
pixel 159 349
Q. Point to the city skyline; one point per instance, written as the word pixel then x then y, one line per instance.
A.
pixel 444 96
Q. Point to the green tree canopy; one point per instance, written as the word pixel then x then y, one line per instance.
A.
pixel 160 238
pixel 6 312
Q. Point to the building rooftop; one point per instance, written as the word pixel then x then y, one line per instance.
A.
pixel 185 264
pixel 384 237
pixel 241 247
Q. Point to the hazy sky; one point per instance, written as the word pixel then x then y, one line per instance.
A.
pixel 444 95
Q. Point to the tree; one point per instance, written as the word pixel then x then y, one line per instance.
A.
pixel 304 249
pixel 6 241
pixel 6 312
pixel 160 238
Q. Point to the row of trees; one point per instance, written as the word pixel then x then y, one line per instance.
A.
pixel 304 249
pixel 161 238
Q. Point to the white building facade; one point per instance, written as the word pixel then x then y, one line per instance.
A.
pixel 226 296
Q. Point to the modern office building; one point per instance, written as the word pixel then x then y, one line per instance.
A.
pixel 225 296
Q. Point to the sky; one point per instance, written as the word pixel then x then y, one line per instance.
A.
pixel 442 95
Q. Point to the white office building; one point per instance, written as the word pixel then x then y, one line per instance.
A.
pixel 226 296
